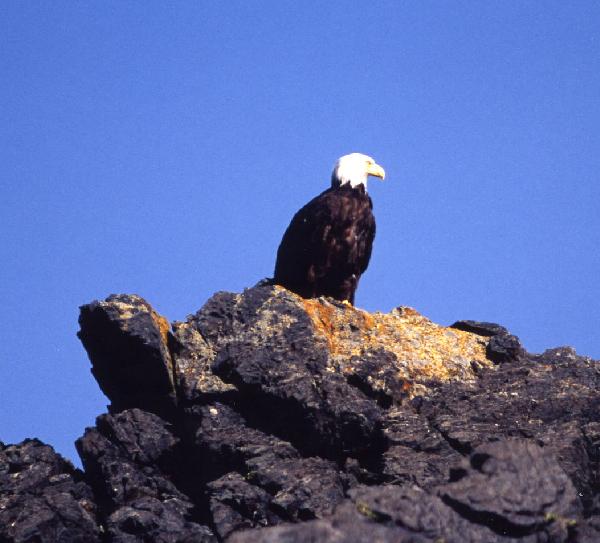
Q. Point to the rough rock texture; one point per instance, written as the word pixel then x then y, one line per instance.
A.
pixel 127 343
pixel 43 498
pixel 265 417
pixel 133 462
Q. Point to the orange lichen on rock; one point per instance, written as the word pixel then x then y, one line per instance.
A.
pixel 421 350
pixel 323 318
pixel 163 326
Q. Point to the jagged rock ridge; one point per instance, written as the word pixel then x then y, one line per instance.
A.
pixel 265 417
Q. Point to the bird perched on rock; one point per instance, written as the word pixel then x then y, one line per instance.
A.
pixel 327 246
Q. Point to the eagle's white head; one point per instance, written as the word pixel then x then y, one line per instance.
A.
pixel 354 169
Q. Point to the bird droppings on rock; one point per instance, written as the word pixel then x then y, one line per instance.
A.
pixel 264 417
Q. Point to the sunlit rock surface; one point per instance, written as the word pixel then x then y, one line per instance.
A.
pixel 265 417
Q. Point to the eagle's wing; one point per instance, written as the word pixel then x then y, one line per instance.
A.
pixel 364 242
pixel 305 250
pixel 327 245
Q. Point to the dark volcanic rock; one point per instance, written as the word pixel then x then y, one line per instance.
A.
pixel 502 347
pixel 126 341
pixel 235 504
pixel 268 418
pixel 417 453
pixel 481 328
pixel 43 498
pixel 256 479
pixel 133 462
pixel 514 487
pixel 265 346
pixel 384 514
pixel 551 399
pixel 209 423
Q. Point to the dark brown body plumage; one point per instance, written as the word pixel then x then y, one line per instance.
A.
pixel 327 246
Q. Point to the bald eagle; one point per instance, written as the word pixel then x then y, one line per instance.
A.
pixel 327 246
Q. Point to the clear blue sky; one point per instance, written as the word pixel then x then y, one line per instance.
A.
pixel 161 148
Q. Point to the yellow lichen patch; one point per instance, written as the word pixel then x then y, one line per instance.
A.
pixel 421 349
pixel 163 326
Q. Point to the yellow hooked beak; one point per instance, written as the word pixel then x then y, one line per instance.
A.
pixel 376 170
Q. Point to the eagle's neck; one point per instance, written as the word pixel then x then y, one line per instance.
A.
pixel 360 184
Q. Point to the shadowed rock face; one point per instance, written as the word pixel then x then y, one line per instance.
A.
pixel 127 341
pixel 43 497
pixel 268 418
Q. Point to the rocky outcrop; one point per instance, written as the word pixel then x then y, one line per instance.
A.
pixel 266 417
pixel 43 497
pixel 127 342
